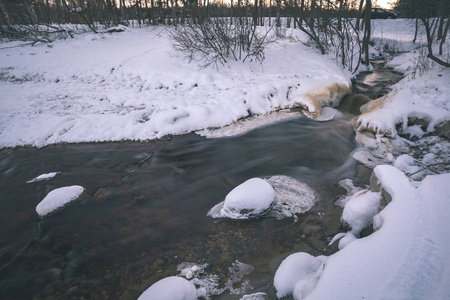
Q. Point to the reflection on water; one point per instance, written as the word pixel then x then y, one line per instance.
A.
pixel 144 210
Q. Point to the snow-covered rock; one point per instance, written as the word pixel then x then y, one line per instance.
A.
pixel 299 272
pixel 58 198
pixel 171 288
pixel 360 210
pixel 289 197
pixel 406 258
pixel 252 198
pixel 46 176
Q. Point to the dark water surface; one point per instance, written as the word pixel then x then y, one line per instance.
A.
pixel 144 209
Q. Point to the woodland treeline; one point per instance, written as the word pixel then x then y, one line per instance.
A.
pixel 230 25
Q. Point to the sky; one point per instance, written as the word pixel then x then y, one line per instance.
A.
pixel 383 3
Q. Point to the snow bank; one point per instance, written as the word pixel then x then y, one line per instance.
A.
pixel 132 86
pixel 425 97
pixel 407 256
pixel 58 198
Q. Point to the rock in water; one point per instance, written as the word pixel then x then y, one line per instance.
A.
pixel 251 199
pixel 58 198
pixel 170 288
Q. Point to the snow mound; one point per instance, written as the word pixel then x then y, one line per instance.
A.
pixel 47 176
pixel 290 197
pixel 252 198
pixel 298 272
pixel 407 257
pixel 58 198
pixel 360 210
pixel 170 288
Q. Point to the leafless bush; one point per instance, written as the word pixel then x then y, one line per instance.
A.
pixel 217 40
pixel 35 33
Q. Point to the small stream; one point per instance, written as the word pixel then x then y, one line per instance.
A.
pixel 144 209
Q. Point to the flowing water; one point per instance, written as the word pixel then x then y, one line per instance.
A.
pixel 145 204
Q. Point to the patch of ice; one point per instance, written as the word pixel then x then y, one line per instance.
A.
pixel 47 176
pixel 58 198
pixel 368 159
pixel 292 196
pixel 247 124
pixel 328 113
pixel 351 189
pixel 255 296
pixel 170 288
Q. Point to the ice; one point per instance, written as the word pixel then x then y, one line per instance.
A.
pixel 58 198
pixel 208 284
pixel 295 272
pixel 47 176
pixel 170 288
pixel 255 296
pixel 292 196
pixel 351 189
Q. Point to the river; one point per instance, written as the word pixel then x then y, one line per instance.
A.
pixel 145 205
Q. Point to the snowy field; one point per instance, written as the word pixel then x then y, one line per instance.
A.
pixel 132 86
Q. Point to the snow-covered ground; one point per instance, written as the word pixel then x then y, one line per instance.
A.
pixel 131 86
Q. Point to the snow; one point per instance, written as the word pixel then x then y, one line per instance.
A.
pixel 58 198
pixel 121 86
pixel 47 176
pixel 171 288
pixel 407 256
pixel 252 198
pixel 360 210
pixel 295 272
pixel 291 197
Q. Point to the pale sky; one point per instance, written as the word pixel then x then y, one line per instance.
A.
pixel 383 3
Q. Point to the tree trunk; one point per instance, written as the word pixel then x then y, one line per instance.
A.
pixel 367 31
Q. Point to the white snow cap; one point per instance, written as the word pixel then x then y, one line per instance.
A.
pixel 170 288
pixel 360 210
pixel 58 198
pixel 297 272
pixel 43 177
pixel 252 198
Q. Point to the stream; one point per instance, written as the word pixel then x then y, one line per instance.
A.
pixel 145 205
